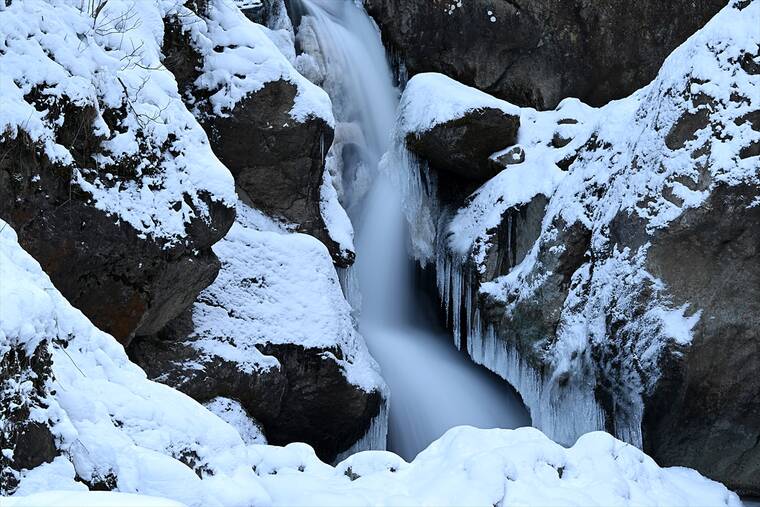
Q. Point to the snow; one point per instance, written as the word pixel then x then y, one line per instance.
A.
pixel 430 99
pixel 108 418
pixel 109 63
pixel 233 413
pixel 336 219
pixel 88 499
pixel 277 287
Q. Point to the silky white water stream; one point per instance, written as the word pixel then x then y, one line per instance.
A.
pixel 433 386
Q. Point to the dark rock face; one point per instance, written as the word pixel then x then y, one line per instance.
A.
pixel 710 258
pixel 462 146
pixel 277 162
pixel 126 283
pixel 535 53
pixel 306 399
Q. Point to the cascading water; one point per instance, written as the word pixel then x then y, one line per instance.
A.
pixel 433 386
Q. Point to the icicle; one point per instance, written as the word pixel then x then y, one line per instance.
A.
pixel 562 413
pixel 374 439
pixel 456 301
pixel 509 240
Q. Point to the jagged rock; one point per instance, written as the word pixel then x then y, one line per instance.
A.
pixel 534 53
pixel 463 145
pixel 277 159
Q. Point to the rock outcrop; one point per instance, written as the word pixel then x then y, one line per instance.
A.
pixel 463 145
pixel 534 53
pixel 634 307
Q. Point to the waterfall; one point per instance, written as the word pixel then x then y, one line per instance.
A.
pixel 433 386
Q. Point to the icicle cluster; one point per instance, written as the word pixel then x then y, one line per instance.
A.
pixel 376 437
pixel 563 413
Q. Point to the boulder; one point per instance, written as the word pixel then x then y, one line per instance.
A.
pixel 304 398
pixel 276 157
pixel 274 333
pixel 536 52
pixel 463 145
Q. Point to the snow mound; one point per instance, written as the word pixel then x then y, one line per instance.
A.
pixel 113 426
pixel 62 62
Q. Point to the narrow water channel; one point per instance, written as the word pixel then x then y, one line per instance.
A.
pixel 433 386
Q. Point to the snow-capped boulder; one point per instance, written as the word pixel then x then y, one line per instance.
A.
pixel 535 53
pixel 629 301
pixel 269 125
pixel 275 333
pixel 455 130
pixel 106 175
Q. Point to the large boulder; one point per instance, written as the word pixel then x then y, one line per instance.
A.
pixel 455 128
pixel 635 308
pixel 536 52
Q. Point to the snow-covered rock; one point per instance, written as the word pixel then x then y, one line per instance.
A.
pixel 270 126
pixel 108 178
pixel 455 128
pixel 275 333
pixel 606 270
pixel 115 429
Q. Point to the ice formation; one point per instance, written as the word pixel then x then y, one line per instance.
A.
pixel 593 164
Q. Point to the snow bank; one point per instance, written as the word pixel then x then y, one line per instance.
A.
pixel 56 54
pixel 88 499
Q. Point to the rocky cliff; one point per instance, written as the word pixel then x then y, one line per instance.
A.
pixel 609 271
pixel 537 52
